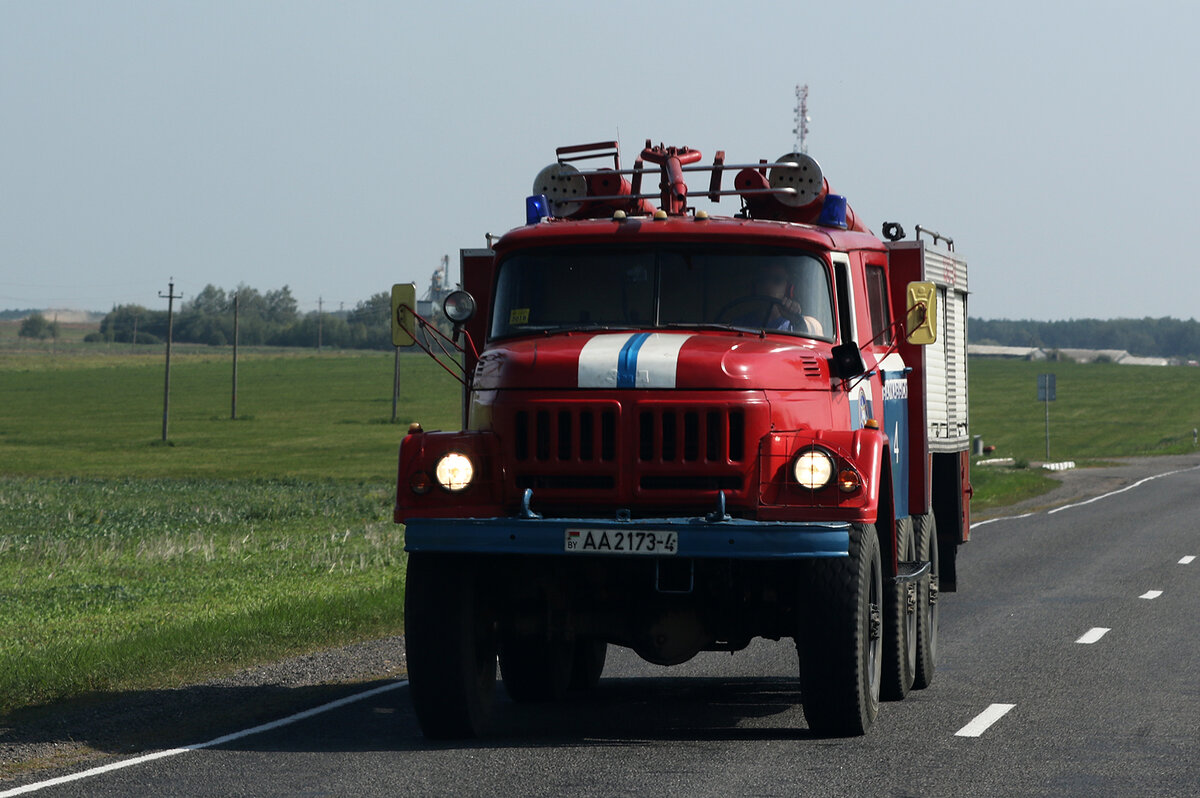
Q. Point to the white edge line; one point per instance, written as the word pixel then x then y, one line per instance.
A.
pixel 984 720
pixel 1092 635
pixel 138 760
pixel 978 524
pixel 1120 490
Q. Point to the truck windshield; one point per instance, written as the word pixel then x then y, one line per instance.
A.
pixel 670 286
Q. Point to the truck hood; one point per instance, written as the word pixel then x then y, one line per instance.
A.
pixel 654 360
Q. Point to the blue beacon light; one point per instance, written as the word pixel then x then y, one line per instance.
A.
pixel 537 207
pixel 833 211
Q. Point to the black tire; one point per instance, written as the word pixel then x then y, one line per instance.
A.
pixel 927 601
pixel 839 639
pixel 589 663
pixel 450 647
pixel 900 622
pixel 535 669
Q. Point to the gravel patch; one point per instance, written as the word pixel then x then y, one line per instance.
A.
pixel 43 742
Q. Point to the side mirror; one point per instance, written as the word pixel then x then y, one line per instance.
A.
pixel 404 300
pixel 847 362
pixel 921 325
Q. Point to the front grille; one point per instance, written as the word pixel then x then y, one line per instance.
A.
pixel 565 434
pixel 611 452
pixel 670 435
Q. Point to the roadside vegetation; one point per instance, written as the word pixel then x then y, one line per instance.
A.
pixel 127 562
pixel 1102 410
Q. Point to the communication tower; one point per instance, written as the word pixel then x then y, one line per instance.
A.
pixel 802 120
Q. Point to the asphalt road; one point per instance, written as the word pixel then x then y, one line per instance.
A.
pixel 1117 716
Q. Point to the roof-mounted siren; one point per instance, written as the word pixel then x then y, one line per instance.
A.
pixel 794 189
pixel 575 194
pixel 564 187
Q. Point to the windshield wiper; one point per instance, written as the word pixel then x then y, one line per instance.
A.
pixel 710 325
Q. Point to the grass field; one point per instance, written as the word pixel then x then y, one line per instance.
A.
pixel 1102 410
pixel 126 562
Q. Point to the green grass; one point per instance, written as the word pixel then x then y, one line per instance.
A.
pixel 315 416
pixel 1102 409
pixel 126 562
pixel 111 583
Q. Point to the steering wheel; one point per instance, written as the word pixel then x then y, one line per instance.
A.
pixel 750 299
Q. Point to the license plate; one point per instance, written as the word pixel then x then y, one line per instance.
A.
pixel 621 541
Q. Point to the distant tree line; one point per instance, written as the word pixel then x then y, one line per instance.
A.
pixel 264 319
pixel 1165 337
pixel 35 325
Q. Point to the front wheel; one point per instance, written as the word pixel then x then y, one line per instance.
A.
pixel 450 646
pixel 839 638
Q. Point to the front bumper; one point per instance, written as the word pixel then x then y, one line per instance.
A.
pixel 697 537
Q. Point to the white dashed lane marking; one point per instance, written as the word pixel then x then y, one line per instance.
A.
pixel 1092 635
pixel 1151 594
pixel 1187 560
pixel 983 721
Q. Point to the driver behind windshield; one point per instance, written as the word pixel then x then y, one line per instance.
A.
pixel 781 308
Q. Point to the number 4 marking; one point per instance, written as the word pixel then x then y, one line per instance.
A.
pixel 896 442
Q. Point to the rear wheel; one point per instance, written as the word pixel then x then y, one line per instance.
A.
pixel 589 663
pixel 535 669
pixel 900 621
pixel 927 604
pixel 839 640
pixel 450 646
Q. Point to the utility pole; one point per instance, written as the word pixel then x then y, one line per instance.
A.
pixel 170 296
pixel 233 405
pixel 319 304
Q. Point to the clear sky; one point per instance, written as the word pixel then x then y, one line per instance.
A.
pixel 339 147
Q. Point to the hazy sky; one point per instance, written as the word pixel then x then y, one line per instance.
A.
pixel 339 147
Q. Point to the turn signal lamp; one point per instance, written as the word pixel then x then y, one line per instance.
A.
pixel 849 480
pixel 454 472
pixel 420 483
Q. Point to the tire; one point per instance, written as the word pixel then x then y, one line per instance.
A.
pixel 534 669
pixel 589 663
pixel 450 646
pixel 900 622
pixel 927 601
pixel 839 639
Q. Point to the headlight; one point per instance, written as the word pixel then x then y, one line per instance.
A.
pixel 813 469
pixel 454 472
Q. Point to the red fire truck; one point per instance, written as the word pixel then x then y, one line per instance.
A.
pixel 683 431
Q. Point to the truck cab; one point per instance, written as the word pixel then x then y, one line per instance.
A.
pixel 683 431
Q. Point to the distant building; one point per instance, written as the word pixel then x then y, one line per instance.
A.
pixel 1008 352
pixel 1074 355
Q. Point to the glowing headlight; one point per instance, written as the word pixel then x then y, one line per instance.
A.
pixel 813 469
pixel 454 472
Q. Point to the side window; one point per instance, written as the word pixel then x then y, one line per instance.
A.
pixel 845 300
pixel 881 323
